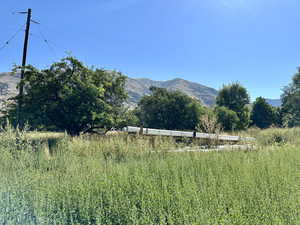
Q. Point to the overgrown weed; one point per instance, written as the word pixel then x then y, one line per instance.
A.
pixel 121 180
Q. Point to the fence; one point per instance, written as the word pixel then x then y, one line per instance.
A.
pixel 172 133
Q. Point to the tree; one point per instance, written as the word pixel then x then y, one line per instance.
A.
pixel 291 102
pixel 172 110
pixel 209 122
pixel 69 96
pixel 263 115
pixel 236 98
pixel 227 118
pixel 129 118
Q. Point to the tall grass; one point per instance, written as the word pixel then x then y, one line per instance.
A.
pixel 120 180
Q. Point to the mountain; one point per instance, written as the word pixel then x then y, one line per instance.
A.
pixel 137 88
pixel 274 102
pixel 8 85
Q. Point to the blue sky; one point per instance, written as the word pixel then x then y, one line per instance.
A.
pixel 213 42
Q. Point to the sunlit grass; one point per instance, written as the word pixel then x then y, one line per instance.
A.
pixel 119 180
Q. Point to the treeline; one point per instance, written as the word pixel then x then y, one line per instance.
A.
pixel 174 110
pixel 68 96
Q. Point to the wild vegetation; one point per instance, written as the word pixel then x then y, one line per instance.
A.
pixel 264 115
pixel 291 99
pixel 78 178
pixel 124 180
pixel 170 110
pixel 80 99
pixel 69 96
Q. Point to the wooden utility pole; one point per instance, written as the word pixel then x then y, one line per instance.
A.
pixel 20 101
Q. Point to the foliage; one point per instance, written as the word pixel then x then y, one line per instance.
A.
pixel 263 115
pixel 130 118
pixel 291 102
pixel 244 118
pixel 278 136
pixel 116 181
pixel 209 123
pixel 227 118
pixel 164 109
pixel 69 96
pixel 235 97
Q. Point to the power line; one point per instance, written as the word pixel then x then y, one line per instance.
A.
pixel 12 37
pixel 49 42
pixel 46 41
pixel 52 46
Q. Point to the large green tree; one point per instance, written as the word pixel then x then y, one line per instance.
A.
pixel 263 115
pixel 291 102
pixel 236 98
pixel 164 109
pixel 227 118
pixel 69 96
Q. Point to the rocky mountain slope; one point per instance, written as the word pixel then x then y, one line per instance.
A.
pixel 8 85
pixel 139 87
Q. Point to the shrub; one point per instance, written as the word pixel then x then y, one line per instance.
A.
pixel 227 118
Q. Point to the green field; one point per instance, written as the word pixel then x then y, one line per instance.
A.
pixel 120 180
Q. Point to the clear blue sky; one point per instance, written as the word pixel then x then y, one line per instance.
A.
pixel 213 42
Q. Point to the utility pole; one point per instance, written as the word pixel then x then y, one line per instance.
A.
pixel 20 101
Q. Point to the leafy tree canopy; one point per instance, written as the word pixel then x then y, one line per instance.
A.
pixel 173 110
pixel 291 102
pixel 235 98
pixel 227 118
pixel 263 115
pixel 69 96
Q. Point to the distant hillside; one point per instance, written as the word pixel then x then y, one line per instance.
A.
pixel 137 88
pixel 8 85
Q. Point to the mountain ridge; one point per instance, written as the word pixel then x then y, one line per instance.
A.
pixel 136 88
